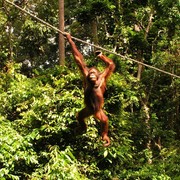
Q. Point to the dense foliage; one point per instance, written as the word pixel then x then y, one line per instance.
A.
pixel 39 99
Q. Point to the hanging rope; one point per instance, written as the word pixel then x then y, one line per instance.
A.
pixel 84 42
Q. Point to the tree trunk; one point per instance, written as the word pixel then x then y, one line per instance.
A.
pixel 140 57
pixel 148 129
pixel 61 38
pixel 94 32
pixel 10 53
pixel 140 66
pixel 144 100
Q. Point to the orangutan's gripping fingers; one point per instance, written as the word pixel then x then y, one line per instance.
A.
pixel 98 53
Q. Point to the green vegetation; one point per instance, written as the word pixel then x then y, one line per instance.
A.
pixel 39 99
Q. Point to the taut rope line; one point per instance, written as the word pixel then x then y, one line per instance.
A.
pixel 98 47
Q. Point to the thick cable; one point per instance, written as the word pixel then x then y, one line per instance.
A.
pixel 84 42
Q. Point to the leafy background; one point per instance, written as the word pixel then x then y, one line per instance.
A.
pixel 39 99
